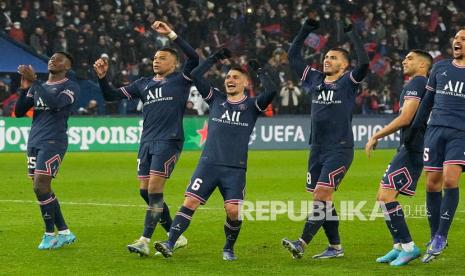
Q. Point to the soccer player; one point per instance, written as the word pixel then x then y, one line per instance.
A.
pixel 333 93
pixel 164 98
pixel 444 144
pixel 224 159
pixel 405 168
pixel 48 141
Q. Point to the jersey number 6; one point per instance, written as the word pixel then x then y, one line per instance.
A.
pixel 196 184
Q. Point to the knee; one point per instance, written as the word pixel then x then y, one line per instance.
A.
pixel 191 203
pixel 434 182
pixel 232 211
pixel 37 189
pixel 41 185
pixel 451 182
pixel 386 196
pixel 156 184
pixel 323 194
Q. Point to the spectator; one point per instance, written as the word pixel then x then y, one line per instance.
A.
pixel 258 29
pixel 38 41
pixel 16 32
pixel 199 105
pixel 289 98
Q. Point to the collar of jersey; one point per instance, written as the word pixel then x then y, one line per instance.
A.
pixel 458 66
pixel 328 82
pixel 237 102
pixel 56 82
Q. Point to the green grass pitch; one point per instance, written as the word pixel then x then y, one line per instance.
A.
pixel 101 203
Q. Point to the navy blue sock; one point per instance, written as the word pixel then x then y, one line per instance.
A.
pixel 231 231
pixel 448 208
pixel 59 219
pixel 47 204
pixel 395 238
pixel 180 223
pixel 331 227
pixel 397 223
pixel 165 218
pixel 152 216
pixel 144 193
pixel 433 210
pixel 315 221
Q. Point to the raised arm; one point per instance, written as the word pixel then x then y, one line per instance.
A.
pixel 200 82
pixel 192 57
pixel 363 62
pixel 24 102
pixel 26 97
pixel 296 60
pixel 266 97
pixel 110 93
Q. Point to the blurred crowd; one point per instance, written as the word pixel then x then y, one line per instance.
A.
pixel 119 30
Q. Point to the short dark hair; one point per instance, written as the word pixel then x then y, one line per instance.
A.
pixel 240 69
pixel 67 55
pixel 343 51
pixel 171 51
pixel 424 55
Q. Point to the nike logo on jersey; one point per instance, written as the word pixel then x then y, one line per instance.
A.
pixel 444 73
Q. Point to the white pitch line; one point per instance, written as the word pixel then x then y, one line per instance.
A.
pixel 267 211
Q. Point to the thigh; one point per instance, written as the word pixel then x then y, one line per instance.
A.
pixel 164 155
pixel 144 160
pixel 48 159
pixel 434 149
pixel 403 172
pixel 203 182
pixel 314 170
pixel 232 185
pixel 455 148
pixel 31 160
pixel 335 163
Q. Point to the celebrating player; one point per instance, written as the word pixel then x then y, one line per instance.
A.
pixel 48 141
pixel 164 99
pixel 405 168
pixel 224 159
pixel 444 144
pixel 333 93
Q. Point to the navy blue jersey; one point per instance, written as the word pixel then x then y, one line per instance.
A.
pixel 230 123
pixel 413 90
pixel 332 107
pixel 229 127
pixel 52 102
pixel 447 82
pixel 332 102
pixel 164 100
